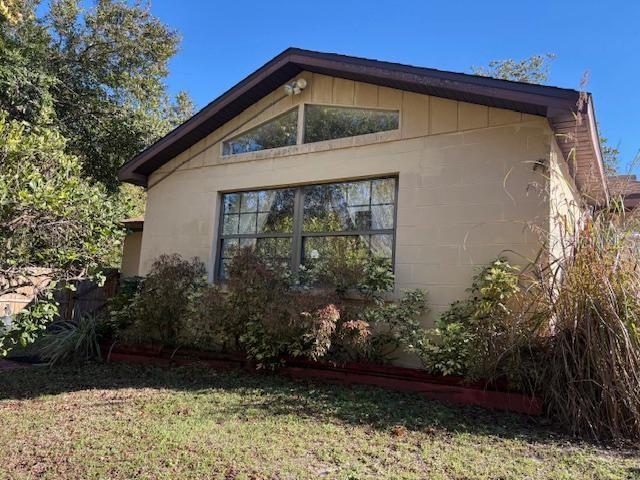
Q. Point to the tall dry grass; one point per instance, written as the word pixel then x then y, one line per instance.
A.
pixel 589 371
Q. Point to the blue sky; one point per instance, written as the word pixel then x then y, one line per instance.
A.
pixel 225 41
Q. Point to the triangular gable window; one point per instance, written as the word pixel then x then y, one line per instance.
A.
pixel 281 131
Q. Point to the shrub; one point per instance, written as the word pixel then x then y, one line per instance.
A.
pixel 377 279
pixel 590 371
pixel 471 338
pixel 315 330
pixel 262 305
pixel 120 307
pixel 254 285
pixel 354 336
pixel 262 314
pixel 396 325
pixel 277 320
pixel 572 335
pixel 207 323
pixel 450 353
pixel 75 340
pixel 157 309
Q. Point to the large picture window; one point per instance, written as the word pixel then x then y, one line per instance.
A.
pixel 298 226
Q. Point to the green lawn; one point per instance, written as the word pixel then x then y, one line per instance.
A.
pixel 121 421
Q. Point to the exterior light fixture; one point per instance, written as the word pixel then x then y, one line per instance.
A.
pixel 295 87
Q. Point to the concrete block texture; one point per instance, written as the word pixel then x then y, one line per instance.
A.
pixel 467 187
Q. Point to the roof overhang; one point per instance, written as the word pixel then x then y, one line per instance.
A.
pixel 568 110
pixel 135 224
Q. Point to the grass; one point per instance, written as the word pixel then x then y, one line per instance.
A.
pixel 125 421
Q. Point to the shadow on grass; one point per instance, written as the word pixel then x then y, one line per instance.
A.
pixel 273 395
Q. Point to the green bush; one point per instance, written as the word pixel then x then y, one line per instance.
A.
pixel 470 338
pixel 156 311
pixel 447 350
pixel 395 326
pixel 260 312
pixel 120 308
pixel 207 322
pixel 273 319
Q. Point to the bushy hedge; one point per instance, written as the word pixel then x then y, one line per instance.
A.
pixel 261 312
pixel 567 329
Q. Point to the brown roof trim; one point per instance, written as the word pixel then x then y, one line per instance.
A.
pixel 135 224
pixel 552 102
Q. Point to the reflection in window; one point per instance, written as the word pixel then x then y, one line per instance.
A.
pixel 276 250
pixel 266 211
pixel 249 219
pixel 352 206
pixel 281 131
pixel 326 123
pixel 331 246
pixel 335 222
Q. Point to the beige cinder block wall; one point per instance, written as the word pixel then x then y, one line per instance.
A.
pixel 467 187
pixel 565 203
pixel 131 249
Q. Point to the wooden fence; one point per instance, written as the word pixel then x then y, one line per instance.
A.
pixel 88 297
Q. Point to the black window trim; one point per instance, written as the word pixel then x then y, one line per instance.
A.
pixel 297 235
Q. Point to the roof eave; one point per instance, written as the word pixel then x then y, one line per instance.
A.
pixel 552 102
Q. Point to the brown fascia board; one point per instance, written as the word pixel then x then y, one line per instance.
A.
pixel 597 150
pixel 527 98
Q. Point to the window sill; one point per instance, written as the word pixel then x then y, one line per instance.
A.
pixel 340 143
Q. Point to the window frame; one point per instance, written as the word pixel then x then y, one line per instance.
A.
pixel 303 114
pixel 259 125
pixel 298 234
pixel 300 133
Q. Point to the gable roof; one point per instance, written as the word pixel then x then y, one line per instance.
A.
pixel 627 187
pixel 559 105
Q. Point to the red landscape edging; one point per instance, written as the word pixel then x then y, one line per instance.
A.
pixel 445 389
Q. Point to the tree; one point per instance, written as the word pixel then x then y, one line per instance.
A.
pixel 81 92
pixel 610 157
pixel 55 226
pixel 25 88
pixel 97 74
pixel 10 10
pixel 534 69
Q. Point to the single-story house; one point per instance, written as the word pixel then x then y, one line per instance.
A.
pixel 626 187
pixel 438 171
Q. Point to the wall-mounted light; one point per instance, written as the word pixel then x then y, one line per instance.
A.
pixel 295 87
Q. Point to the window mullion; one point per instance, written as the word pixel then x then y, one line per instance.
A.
pixel 300 132
pixel 296 242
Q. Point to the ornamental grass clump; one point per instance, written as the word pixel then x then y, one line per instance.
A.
pixel 590 375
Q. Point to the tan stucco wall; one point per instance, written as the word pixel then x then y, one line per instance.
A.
pixel 131 249
pixel 566 205
pixel 467 187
